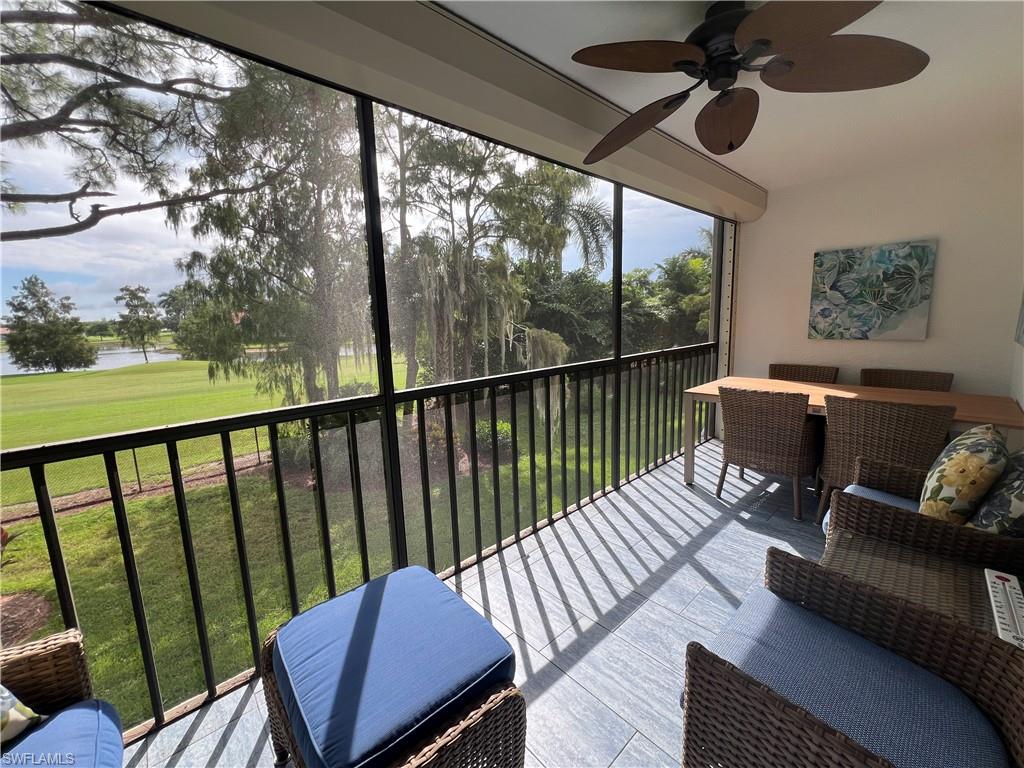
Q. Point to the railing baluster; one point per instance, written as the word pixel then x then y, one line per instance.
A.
pixel 495 467
pixel 533 451
pixel 639 413
pixel 513 416
pixel 352 432
pixel 428 519
pixel 65 597
pixel 321 505
pixel 453 493
pixel 547 445
pixel 647 418
pixel 240 547
pixel 604 446
pixel 474 472
pixel 590 434
pixel 565 460
pixel 134 587
pixel 579 463
pixel 191 569
pixel 627 402
pixel 657 411
pixel 282 510
pixel 670 406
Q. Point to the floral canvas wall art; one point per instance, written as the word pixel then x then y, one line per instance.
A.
pixel 873 292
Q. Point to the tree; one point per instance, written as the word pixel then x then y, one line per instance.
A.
pixel 139 325
pixel 43 333
pixel 100 328
pixel 123 98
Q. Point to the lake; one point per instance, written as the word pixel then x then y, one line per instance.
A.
pixel 105 361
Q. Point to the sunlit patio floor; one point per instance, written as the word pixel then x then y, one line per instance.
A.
pixel 599 608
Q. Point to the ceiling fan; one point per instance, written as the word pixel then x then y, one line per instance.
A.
pixel 806 56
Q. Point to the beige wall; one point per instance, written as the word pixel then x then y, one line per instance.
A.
pixel 971 201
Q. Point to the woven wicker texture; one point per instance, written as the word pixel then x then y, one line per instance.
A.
pixel 810 374
pixel 989 670
pixel 894 378
pixel 47 674
pixel 897 479
pixel 893 433
pixel 491 735
pixel 768 432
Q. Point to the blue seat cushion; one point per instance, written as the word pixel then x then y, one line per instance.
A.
pixel 86 733
pixel 369 675
pixel 911 505
pixel 888 705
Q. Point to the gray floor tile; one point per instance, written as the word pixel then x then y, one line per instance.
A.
pixel 569 726
pixel 641 752
pixel 193 727
pixel 241 743
pixel 711 609
pixel 587 590
pixel 643 692
pixel 518 603
pixel 135 755
pixel 662 634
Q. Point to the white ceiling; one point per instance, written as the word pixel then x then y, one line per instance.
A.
pixel 971 93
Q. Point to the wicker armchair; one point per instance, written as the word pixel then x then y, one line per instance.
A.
pixel 926 561
pixel 811 374
pixel 937 381
pixel 47 674
pixel 893 433
pixel 733 719
pixel 493 733
pixel 768 432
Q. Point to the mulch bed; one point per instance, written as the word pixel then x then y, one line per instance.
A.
pixel 22 615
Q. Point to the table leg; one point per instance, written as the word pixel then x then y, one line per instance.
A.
pixel 689 435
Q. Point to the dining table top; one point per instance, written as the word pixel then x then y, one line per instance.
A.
pixel 971 408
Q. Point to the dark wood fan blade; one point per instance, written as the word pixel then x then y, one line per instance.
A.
pixel 634 125
pixel 640 55
pixel 845 63
pixel 781 26
pixel 726 121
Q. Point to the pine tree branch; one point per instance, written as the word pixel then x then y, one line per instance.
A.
pixel 15 198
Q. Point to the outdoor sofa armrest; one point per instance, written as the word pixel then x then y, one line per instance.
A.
pixel 47 674
pixel 986 668
pixel 970 546
pixel 897 479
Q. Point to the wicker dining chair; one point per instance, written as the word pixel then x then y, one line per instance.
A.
pixel 894 378
pixel 808 374
pixel 48 674
pixel 767 432
pixel 893 433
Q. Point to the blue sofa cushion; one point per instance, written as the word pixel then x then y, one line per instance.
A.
pixel 890 706
pixel 86 733
pixel 911 505
pixel 367 676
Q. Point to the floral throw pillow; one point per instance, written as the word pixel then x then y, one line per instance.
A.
pixel 15 717
pixel 963 474
pixel 1002 509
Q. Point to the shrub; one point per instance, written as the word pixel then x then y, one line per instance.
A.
pixel 483 436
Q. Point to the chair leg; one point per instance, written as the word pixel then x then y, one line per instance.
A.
pixel 741 474
pixel 826 492
pixel 721 479
pixel 797 514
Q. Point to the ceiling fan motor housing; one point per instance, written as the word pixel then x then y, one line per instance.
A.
pixel 716 36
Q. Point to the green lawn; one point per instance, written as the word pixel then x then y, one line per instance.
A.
pixel 48 407
pixel 93 556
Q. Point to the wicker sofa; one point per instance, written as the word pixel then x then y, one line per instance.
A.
pixel 920 688
pixel 51 677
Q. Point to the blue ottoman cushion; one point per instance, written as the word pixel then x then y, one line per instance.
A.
pixel 367 676
pixel 911 505
pixel 890 706
pixel 86 733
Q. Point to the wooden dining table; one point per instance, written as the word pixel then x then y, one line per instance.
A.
pixel 970 408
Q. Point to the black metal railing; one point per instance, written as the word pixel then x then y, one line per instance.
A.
pixel 480 463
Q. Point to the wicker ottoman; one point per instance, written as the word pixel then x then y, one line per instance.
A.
pixel 400 671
